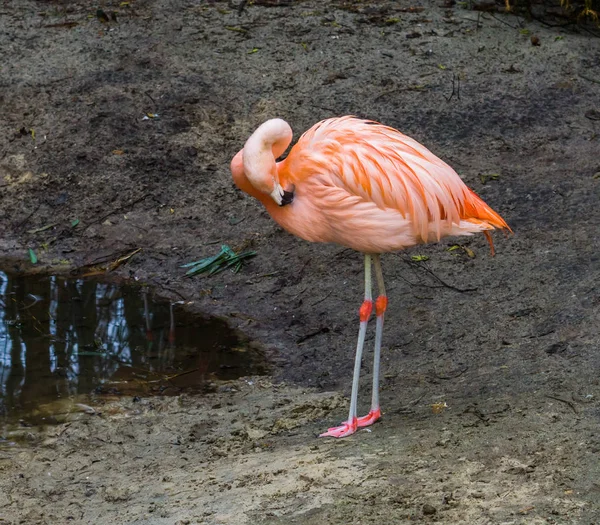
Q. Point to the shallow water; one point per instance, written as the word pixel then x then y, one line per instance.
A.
pixel 64 339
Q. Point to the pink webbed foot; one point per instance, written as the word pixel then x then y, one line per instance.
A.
pixel 345 429
pixel 369 419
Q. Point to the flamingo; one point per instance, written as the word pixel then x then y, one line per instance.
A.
pixel 365 186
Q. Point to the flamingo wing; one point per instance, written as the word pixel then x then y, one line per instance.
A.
pixel 378 167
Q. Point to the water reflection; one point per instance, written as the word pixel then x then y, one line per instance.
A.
pixel 61 337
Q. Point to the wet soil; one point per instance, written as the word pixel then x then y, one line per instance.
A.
pixel 118 135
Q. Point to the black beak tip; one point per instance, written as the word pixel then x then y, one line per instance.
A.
pixel 287 198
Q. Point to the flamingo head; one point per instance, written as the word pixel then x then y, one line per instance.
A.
pixel 254 168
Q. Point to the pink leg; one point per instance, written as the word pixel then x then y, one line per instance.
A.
pixel 380 308
pixel 349 427
pixel 375 412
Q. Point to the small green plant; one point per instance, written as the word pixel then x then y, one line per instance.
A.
pixel 226 258
pixel 484 177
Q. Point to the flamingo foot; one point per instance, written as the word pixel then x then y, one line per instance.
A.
pixel 345 429
pixel 369 419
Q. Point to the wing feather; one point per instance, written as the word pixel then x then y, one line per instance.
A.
pixel 386 168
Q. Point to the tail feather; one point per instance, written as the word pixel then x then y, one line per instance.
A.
pixel 478 212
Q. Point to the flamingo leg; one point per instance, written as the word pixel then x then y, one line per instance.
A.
pixel 380 307
pixel 349 427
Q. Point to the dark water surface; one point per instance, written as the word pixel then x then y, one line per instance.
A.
pixel 60 338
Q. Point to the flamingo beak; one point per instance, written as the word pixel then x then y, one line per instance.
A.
pixel 282 197
pixel 288 197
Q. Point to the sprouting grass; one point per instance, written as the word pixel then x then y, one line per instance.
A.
pixel 586 10
pixel 226 258
pixel 575 9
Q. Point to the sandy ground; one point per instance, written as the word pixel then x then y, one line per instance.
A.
pixel 515 359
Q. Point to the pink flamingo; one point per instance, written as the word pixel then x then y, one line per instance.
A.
pixel 366 186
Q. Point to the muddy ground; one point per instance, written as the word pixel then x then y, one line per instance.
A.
pixel 515 359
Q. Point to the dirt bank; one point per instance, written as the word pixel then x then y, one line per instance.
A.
pixel 119 135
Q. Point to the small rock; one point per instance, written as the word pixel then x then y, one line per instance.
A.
pixel 429 510
pixel 514 466
pixel 592 114
pixel 85 408
pixel 557 348
pixel 256 433
pixel 49 442
pixel 115 494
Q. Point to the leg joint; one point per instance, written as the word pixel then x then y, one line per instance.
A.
pixel 381 305
pixel 365 310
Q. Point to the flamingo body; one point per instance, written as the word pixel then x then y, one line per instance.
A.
pixel 366 186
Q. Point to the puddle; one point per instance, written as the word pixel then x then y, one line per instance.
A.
pixel 64 339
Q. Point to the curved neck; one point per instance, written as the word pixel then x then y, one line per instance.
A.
pixel 273 135
pixel 267 143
